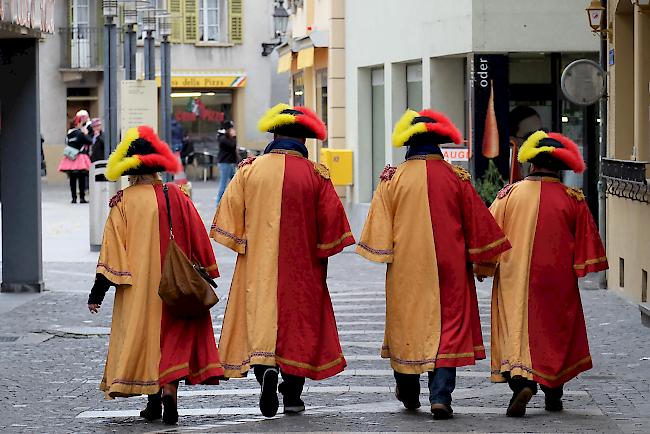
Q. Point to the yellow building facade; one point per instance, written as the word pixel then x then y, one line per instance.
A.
pixel 628 210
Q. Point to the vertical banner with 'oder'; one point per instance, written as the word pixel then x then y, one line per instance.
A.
pixel 490 141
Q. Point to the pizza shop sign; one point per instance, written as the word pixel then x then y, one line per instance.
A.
pixel 33 14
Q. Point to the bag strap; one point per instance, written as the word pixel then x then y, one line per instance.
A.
pixel 169 211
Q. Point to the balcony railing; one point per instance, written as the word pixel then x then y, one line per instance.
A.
pixel 626 179
pixel 81 48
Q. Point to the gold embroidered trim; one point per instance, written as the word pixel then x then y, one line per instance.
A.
pixel 461 173
pixel 575 193
pixel 322 170
pixel 426 157
pixel 191 374
pixel 488 247
pixel 590 262
pixel 286 152
pixel 334 243
pixel 320 368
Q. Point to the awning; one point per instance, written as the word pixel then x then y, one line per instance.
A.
pixel 284 63
pixel 306 58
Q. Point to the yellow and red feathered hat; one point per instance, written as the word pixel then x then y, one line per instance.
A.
pixel 427 126
pixel 140 152
pixel 540 147
pixel 293 122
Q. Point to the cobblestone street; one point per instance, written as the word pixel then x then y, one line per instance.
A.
pixel 49 376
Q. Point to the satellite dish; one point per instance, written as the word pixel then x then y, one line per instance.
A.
pixel 583 82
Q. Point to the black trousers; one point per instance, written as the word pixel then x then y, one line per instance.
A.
pixel 291 386
pixel 75 178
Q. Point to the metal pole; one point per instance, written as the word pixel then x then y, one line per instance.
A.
pixel 130 48
pixel 165 89
pixel 602 196
pixel 110 85
pixel 149 57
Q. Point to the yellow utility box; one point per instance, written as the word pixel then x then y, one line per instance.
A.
pixel 339 163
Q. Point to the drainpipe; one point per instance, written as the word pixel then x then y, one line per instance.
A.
pixel 602 197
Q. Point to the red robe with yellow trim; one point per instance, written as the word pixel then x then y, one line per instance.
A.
pixel 538 328
pixel 149 347
pixel 282 215
pixel 428 224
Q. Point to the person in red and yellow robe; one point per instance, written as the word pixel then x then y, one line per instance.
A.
pixel 150 348
pixel 428 224
pixel 282 215
pixel 538 328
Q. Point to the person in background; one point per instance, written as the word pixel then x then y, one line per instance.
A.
pixel 178 135
pixel 522 121
pixel 43 163
pixel 84 119
pixel 97 148
pixel 227 156
pixel 538 326
pixel 76 164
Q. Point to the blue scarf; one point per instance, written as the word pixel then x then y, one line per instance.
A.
pixel 287 145
pixel 423 150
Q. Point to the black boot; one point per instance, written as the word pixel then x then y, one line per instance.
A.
pixel 553 398
pixel 153 410
pixel 269 398
pixel 170 417
pixel 291 398
pixel 74 199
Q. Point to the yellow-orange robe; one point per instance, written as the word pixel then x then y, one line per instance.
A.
pixel 428 224
pixel 538 328
pixel 282 215
pixel 148 346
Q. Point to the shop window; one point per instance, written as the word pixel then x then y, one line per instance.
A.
pixel 299 89
pixel 414 86
pixel 378 125
pixel 321 96
pixel 201 114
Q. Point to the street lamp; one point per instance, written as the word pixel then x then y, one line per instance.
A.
pixel 110 11
pixel 281 18
pixel 149 26
pixel 595 13
pixel 280 22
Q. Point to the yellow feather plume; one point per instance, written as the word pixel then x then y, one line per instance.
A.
pixel 273 118
pixel 530 149
pixel 403 130
pixel 118 162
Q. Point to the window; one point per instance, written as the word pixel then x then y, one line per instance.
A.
pixel 414 86
pixel 378 125
pixel 209 20
pixel 298 90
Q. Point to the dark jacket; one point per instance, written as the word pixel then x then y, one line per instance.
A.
pixel 77 139
pixel 97 149
pixel 227 149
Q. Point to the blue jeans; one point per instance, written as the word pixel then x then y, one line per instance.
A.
pixel 442 382
pixel 226 172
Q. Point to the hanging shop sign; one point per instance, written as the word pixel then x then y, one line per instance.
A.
pixel 490 144
pixel 205 81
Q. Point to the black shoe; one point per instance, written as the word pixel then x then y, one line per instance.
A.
pixel 170 416
pixel 518 403
pixel 153 411
pixel 74 200
pixel 409 404
pixel 269 402
pixel 293 405
pixel 442 411
pixel 83 200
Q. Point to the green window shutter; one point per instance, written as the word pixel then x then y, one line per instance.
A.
pixel 191 21
pixel 176 10
pixel 236 21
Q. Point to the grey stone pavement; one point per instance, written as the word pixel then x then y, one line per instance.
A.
pixel 49 375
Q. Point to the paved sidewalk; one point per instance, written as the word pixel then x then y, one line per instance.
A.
pixel 49 375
